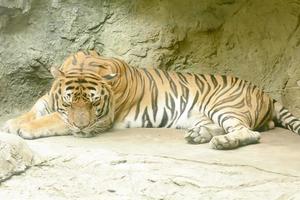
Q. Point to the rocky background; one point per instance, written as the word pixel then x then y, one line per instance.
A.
pixel 252 39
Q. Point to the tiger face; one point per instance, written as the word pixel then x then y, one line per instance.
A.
pixel 84 101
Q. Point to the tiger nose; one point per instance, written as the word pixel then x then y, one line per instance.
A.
pixel 81 125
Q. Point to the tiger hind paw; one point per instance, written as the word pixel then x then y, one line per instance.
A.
pixel 198 135
pixel 223 142
pixel 234 139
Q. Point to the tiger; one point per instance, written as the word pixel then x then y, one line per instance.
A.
pixel 91 94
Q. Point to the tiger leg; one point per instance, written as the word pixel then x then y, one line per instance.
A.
pixel 45 126
pixel 13 125
pixel 203 131
pixel 238 135
pixel 38 110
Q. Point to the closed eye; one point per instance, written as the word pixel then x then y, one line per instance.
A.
pixel 62 111
pixel 96 103
pixel 96 99
pixel 65 104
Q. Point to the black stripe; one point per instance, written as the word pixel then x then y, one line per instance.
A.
pixel 195 100
pixel 85 76
pixel 293 121
pixel 224 78
pixel 206 93
pixel 182 77
pixel 69 88
pixel 171 83
pixel 184 98
pixel 286 115
pixel 282 109
pixel 170 103
pixel 138 105
pixel 93 83
pixel 297 126
pixel 174 118
pixel 265 118
pixel 229 116
pixel 53 102
pixel 158 73
pixel 146 119
pixel 96 64
pixel 164 119
pixel 80 81
pixel 199 83
pixel 214 80
pixel 232 113
pixel 154 100
pixel 74 61
pixel 90 88
pixel 209 99
pixel 69 82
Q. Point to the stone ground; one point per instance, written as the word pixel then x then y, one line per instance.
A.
pixel 158 164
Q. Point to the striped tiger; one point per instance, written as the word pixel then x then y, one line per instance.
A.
pixel 91 94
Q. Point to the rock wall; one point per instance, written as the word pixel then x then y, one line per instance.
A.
pixel 255 40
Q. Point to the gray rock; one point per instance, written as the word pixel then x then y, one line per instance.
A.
pixel 15 156
pixel 23 5
pixel 257 41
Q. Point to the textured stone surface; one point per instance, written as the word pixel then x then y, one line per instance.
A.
pixel 158 164
pixel 255 40
pixel 15 156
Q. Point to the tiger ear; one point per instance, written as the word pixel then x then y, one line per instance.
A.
pixel 110 77
pixel 56 73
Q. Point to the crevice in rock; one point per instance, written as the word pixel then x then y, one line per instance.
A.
pixel 222 164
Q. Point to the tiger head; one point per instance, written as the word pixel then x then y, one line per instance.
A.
pixel 85 101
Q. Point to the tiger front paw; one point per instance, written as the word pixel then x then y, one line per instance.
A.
pixel 27 133
pixel 198 135
pixel 11 126
pixel 14 127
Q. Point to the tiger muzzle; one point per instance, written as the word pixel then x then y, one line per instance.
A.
pixel 81 122
pixel 80 115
